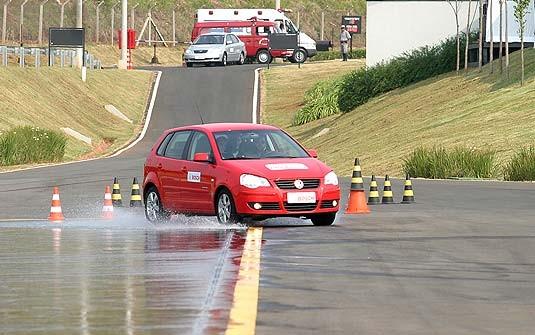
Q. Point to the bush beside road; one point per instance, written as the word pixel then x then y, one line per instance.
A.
pixel 475 110
pixel 53 98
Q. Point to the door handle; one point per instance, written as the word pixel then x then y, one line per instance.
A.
pixel 159 166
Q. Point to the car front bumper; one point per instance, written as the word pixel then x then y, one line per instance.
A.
pixel 274 202
pixel 201 59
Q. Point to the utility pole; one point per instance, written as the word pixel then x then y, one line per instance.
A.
pixel 4 21
pixel 133 16
pixel 123 64
pixel 79 24
pixel 22 20
pixel 277 4
pixel 322 25
pixel 113 22
pixel 174 26
pixel 41 10
pixel 97 28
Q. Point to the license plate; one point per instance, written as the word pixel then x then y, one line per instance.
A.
pixel 199 57
pixel 301 197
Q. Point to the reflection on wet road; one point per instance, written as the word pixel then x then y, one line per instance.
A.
pixel 120 278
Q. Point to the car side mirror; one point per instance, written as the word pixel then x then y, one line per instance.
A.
pixel 313 153
pixel 229 42
pixel 202 157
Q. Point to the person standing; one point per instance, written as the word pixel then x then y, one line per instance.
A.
pixel 345 37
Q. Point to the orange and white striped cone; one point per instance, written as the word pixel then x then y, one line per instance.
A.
pixel 107 209
pixel 56 215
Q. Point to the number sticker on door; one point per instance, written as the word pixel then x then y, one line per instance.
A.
pixel 194 177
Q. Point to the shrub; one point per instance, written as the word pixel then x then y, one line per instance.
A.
pixel 334 54
pixel 521 166
pixel 321 100
pixel 23 145
pixel 459 162
pixel 411 67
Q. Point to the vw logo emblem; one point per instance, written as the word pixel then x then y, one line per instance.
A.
pixel 299 184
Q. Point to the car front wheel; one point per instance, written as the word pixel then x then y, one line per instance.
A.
pixel 225 209
pixel 263 57
pixel 323 219
pixel 224 60
pixel 154 211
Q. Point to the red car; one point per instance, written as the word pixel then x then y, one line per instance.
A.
pixel 234 171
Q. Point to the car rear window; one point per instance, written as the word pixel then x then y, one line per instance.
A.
pixel 163 145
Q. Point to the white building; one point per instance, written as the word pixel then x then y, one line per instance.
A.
pixel 394 27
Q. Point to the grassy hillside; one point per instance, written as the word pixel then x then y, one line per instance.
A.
pixel 310 15
pixel 53 98
pixel 473 109
pixel 141 56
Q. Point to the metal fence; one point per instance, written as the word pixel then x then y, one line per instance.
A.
pixel 38 57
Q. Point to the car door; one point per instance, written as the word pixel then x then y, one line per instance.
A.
pixel 198 185
pixel 239 46
pixel 172 168
pixel 231 48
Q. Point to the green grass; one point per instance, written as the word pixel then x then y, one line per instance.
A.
pixel 141 56
pixel 321 100
pixel 461 162
pixel 52 98
pixel 336 54
pixel 23 145
pixel 474 109
pixel 522 165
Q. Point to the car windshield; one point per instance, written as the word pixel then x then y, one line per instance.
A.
pixel 210 39
pixel 257 144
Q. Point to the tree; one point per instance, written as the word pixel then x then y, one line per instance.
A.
pixel 455 6
pixel 520 11
pixel 491 51
pixel 480 54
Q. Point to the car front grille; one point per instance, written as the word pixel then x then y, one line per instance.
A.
pixel 300 207
pixel 200 51
pixel 288 184
pixel 266 206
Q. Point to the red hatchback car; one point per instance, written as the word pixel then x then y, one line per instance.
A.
pixel 237 170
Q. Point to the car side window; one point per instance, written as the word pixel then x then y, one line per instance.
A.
pixel 163 145
pixel 199 144
pixel 234 39
pixel 177 144
pixel 229 39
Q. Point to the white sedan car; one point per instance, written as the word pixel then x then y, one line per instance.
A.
pixel 215 48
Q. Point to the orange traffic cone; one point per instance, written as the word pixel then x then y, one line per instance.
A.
pixel 56 215
pixel 107 209
pixel 357 198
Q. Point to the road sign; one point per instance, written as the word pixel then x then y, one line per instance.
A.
pixel 66 38
pixel 352 23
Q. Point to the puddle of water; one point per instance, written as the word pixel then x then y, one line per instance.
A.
pixel 122 276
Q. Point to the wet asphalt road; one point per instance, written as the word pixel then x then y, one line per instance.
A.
pixel 459 261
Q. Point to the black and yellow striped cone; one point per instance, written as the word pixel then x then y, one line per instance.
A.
pixel 408 194
pixel 116 198
pixel 373 198
pixel 135 199
pixel 356 179
pixel 388 197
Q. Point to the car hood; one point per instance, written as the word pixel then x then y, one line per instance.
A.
pixel 290 168
pixel 205 47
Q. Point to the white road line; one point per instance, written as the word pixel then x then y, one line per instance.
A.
pixel 140 137
pixel 255 95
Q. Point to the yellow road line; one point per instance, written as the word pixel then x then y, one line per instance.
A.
pixel 242 320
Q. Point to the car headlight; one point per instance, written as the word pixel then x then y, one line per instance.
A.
pixel 250 181
pixel 331 178
pixel 189 52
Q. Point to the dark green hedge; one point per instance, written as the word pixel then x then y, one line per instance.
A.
pixel 411 67
pixel 330 55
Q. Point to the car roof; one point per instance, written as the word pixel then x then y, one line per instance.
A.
pixel 218 127
pixel 220 24
pixel 217 33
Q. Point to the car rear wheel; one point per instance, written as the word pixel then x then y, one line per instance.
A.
pixel 224 60
pixel 225 208
pixel 263 57
pixel 241 61
pixel 323 219
pixel 154 211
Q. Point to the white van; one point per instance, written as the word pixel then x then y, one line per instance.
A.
pixel 307 45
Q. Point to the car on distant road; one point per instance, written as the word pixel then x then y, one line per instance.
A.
pixel 237 171
pixel 215 48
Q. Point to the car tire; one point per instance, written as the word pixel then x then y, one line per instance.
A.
pixel 225 208
pixel 154 211
pixel 300 55
pixel 263 57
pixel 323 219
pixel 224 59
pixel 241 61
